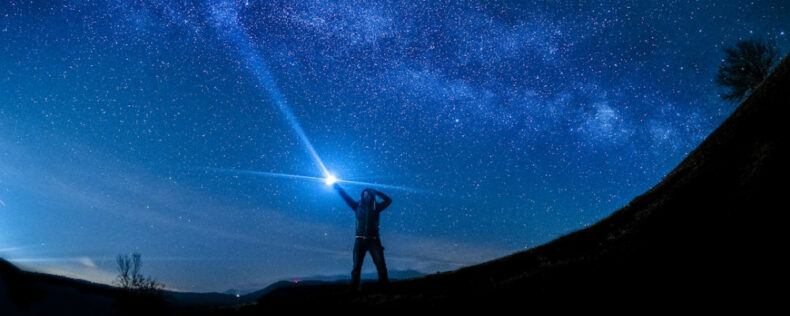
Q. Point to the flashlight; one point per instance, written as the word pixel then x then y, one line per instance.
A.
pixel 330 179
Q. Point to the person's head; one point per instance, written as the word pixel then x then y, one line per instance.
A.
pixel 367 197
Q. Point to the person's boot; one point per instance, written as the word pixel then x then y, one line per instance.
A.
pixel 356 285
pixel 384 279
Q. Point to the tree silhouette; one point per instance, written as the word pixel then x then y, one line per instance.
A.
pixel 745 66
pixel 130 277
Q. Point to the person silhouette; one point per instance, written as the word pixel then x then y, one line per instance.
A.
pixel 367 212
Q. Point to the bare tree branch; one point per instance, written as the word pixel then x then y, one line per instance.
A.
pixel 130 276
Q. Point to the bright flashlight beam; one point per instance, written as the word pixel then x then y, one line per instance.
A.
pixel 330 179
pixel 226 19
pixel 324 180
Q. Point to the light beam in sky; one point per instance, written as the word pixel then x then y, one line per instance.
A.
pixel 325 180
pixel 226 21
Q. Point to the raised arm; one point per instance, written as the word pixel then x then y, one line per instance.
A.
pixel 385 201
pixel 351 203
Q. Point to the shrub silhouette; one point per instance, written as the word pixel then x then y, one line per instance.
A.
pixel 745 66
pixel 130 277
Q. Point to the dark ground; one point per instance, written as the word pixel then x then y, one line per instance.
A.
pixel 709 234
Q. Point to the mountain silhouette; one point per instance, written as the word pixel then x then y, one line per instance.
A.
pixel 32 293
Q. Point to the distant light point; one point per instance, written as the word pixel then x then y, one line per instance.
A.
pixel 330 179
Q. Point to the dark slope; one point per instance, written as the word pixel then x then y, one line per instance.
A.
pixel 32 293
pixel 708 232
pixel 325 280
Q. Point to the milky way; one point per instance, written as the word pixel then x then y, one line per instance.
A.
pixel 157 126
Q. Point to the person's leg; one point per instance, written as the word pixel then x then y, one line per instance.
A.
pixel 377 253
pixel 359 256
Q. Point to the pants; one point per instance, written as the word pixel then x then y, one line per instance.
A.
pixel 361 246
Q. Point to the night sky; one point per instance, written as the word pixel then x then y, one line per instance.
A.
pixel 171 128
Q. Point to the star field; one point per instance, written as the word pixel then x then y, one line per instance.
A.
pixel 500 126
